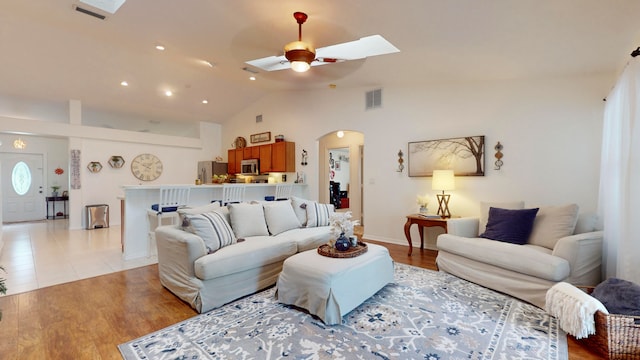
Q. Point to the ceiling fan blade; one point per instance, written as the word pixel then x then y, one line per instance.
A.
pixel 353 50
pixel 270 63
pixel 358 49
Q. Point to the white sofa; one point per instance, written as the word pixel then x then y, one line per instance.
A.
pixel 266 234
pixel 562 247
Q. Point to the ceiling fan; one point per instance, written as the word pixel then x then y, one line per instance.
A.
pixel 300 56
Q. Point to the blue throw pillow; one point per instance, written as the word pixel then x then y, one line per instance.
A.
pixel 164 209
pixel 512 226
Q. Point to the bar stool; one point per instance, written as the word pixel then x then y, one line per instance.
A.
pixel 283 191
pixel 232 193
pixel 171 199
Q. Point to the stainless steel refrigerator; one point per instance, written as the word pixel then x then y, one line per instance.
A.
pixel 206 169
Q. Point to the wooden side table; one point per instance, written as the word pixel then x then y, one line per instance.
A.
pixel 53 200
pixel 422 222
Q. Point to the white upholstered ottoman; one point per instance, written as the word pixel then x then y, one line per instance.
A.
pixel 330 287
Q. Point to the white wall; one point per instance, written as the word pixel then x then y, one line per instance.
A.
pixel 179 156
pixel 550 129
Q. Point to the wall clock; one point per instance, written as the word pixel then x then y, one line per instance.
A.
pixel 146 167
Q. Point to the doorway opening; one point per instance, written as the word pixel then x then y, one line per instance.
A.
pixel 22 187
pixel 340 171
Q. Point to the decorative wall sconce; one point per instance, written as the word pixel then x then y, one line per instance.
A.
pixel 304 158
pixel 400 161
pixel 499 155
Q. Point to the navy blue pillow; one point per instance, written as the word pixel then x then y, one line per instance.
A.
pixel 512 226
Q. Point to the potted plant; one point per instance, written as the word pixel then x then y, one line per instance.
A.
pixel 54 190
pixel 342 230
pixel 423 201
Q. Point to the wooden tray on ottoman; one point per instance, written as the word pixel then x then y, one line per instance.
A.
pixel 326 250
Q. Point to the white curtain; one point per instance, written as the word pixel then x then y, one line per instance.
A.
pixel 620 177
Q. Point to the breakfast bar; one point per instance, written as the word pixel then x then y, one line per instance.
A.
pixel 139 198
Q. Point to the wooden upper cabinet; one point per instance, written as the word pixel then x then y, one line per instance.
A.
pixel 265 158
pixel 274 157
pixel 231 161
pixel 239 158
pixel 234 157
pixel 251 152
pixel 283 156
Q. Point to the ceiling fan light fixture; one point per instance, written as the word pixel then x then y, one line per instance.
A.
pixel 300 66
pixel 300 55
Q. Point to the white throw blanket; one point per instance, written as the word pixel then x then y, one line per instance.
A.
pixel 573 308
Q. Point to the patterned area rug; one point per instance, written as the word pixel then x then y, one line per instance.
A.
pixel 423 315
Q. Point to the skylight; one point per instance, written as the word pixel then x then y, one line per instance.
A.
pixel 110 6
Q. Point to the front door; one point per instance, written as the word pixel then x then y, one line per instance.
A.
pixel 22 187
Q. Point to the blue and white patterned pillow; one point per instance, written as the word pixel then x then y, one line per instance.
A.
pixel 212 227
pixel 319 214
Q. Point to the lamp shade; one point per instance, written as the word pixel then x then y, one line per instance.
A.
pixel 443 180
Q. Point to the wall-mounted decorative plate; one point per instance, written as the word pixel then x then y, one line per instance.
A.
pixel 94 166
pixel 240 142
pixel 116 161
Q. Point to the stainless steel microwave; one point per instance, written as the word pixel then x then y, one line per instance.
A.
pixel 250 167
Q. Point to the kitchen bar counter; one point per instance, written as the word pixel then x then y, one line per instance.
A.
pixel 139 198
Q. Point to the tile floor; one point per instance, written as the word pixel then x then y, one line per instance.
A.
pixel 46 253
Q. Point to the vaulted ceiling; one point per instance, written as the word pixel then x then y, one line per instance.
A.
pixel 52 53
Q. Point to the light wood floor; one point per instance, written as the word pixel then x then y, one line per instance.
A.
pixel 87 319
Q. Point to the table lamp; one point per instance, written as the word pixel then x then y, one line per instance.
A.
pixel 443 180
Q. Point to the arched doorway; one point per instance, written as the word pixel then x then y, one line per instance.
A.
pixel 340 170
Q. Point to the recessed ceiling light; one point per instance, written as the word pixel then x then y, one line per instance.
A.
pixel 208 63
pixel 160 47
pixel 168 93
pixel 340 134
pixel 252 78
pixel 124 83
pixel 205 101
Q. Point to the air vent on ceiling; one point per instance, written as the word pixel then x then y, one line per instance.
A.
pixel 259 118
pixel 373 99
pixel 89 12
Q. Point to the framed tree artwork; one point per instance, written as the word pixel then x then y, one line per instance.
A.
pixel 464 155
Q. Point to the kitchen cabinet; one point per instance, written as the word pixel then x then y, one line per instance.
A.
pixel 251 152
pixel 234 157
pixel 231 161
pixel 283 156
pixel 274 157
pixel 265 158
